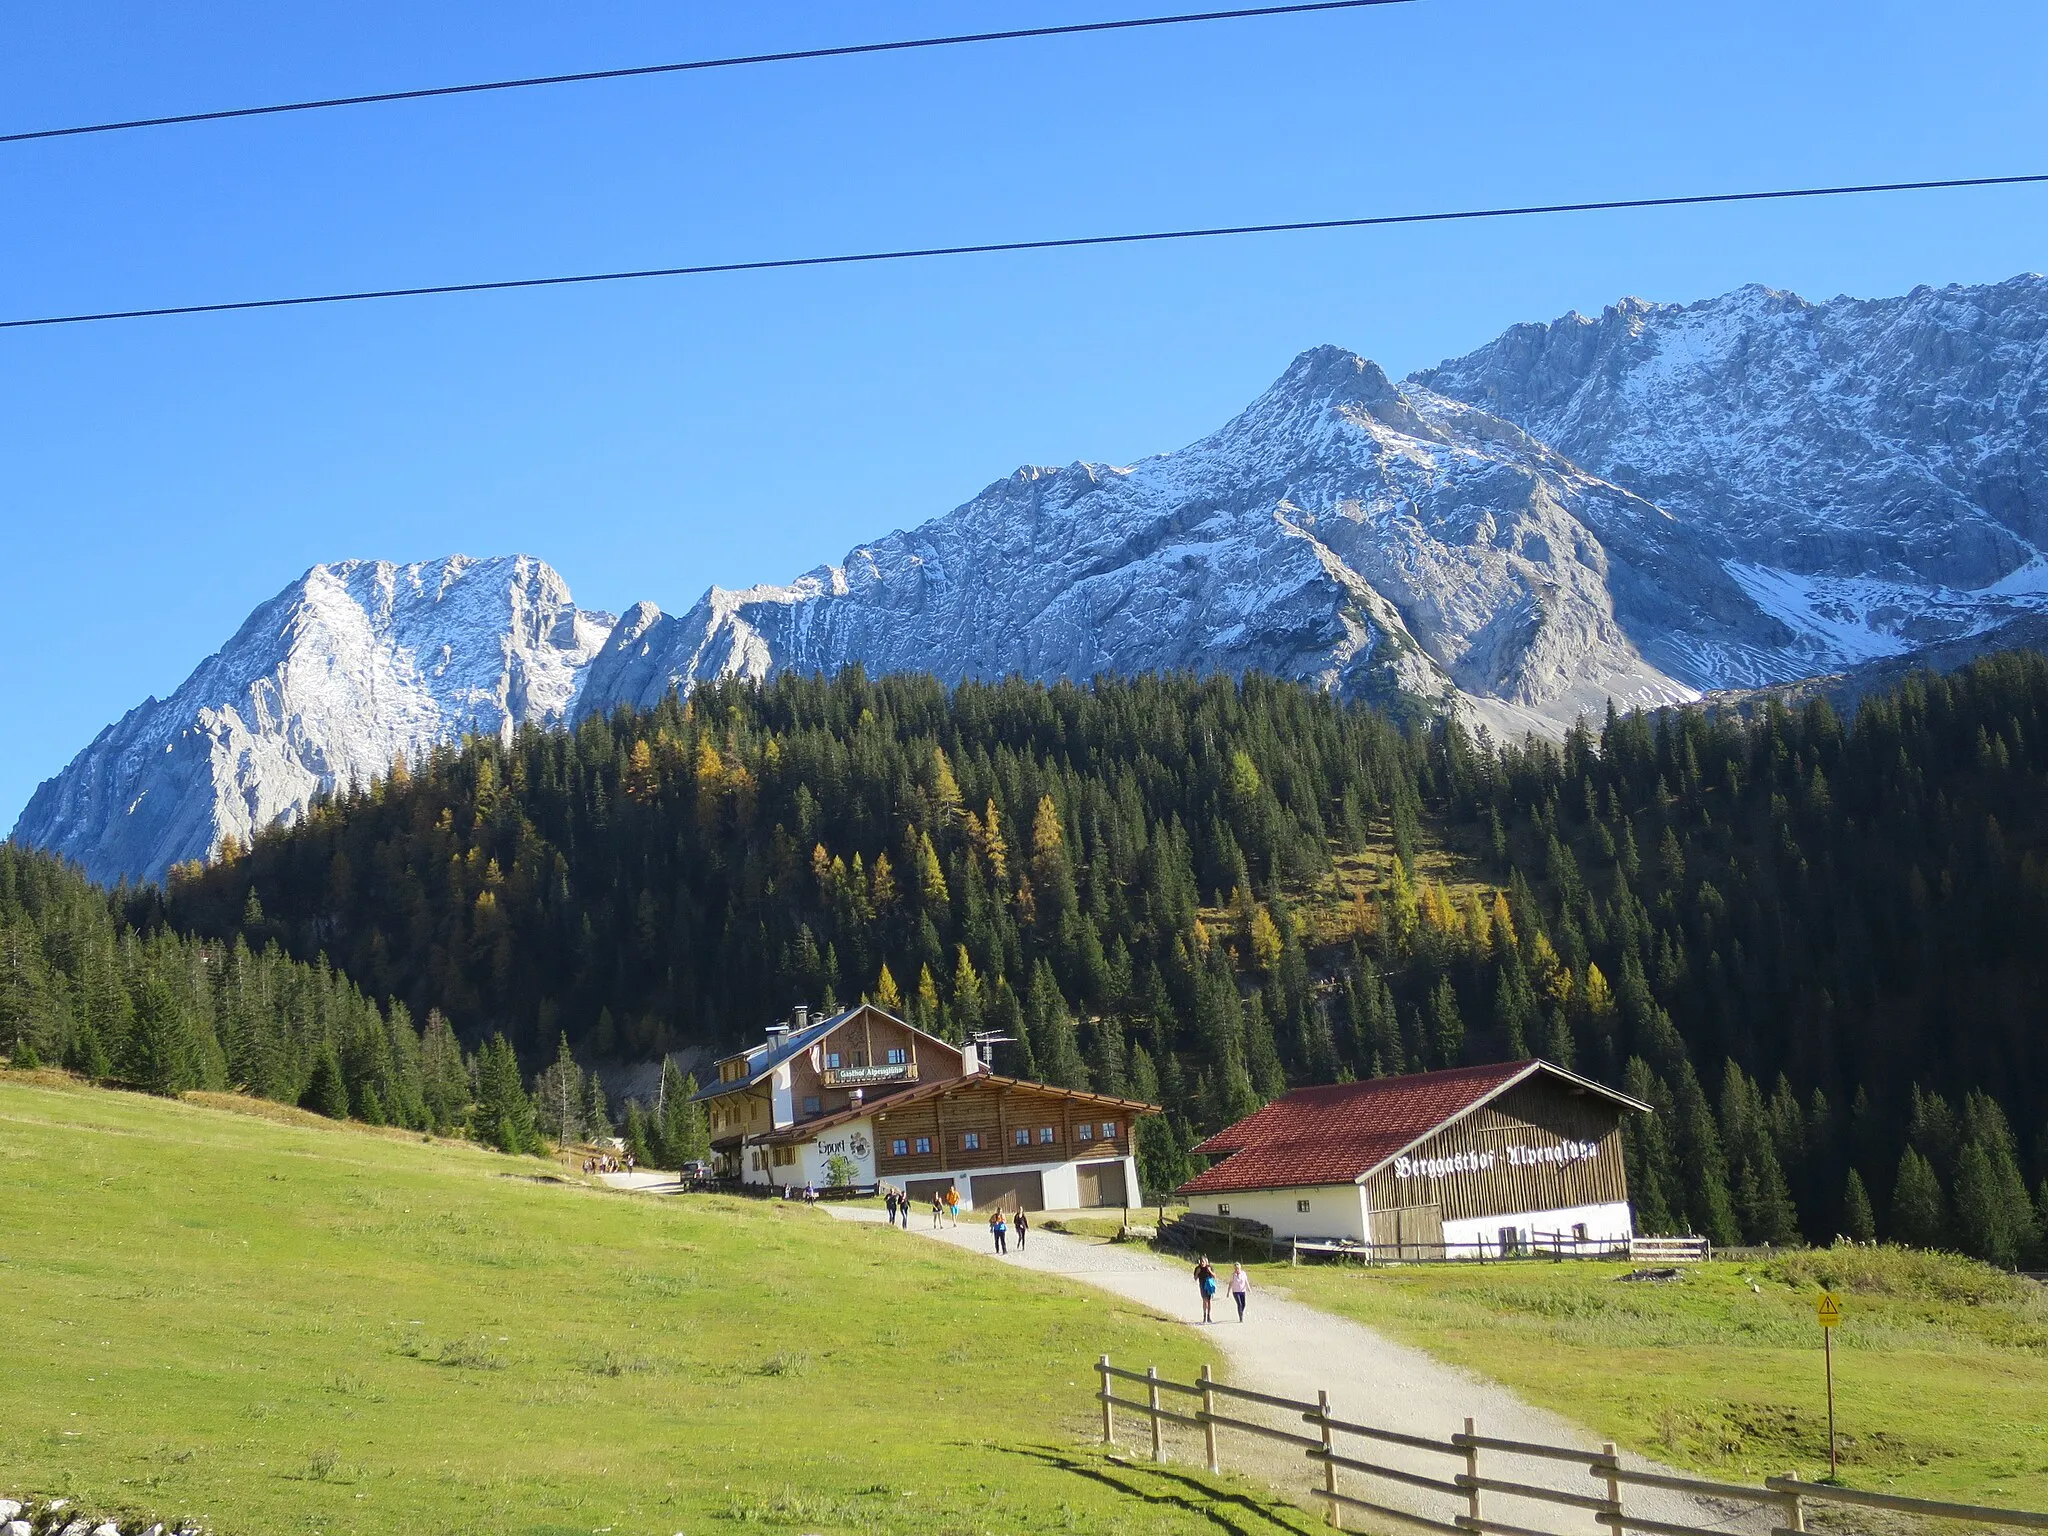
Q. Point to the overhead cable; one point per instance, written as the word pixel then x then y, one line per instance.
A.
pixel 843 51
pixel 1069 242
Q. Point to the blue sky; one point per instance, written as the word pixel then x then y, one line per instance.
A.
pixel 159 478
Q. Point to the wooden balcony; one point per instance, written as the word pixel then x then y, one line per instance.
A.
pixel 869 1077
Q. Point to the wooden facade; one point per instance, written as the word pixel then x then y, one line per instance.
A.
pixel 861 1056
pixel 1537 1147
pixel 994 1114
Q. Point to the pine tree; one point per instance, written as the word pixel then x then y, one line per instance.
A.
pixel 635 1134
pixel 1858 1221
pixel 1918 1217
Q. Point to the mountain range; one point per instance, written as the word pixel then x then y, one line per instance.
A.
pixel 1647 506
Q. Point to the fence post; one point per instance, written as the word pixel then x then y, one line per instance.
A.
pixel 1158 1445
pixel 1613 1482
pixel 1795 1514
pixel 1472 1472
pixel 1208 1423
pixel 1108 1424
pixel 1329 1463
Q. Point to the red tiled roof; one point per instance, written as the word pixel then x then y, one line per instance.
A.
pixel 1339 1133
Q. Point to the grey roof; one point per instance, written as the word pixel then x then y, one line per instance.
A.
pixel 766 1057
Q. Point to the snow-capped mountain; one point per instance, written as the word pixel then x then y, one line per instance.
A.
pixel 347 669
pixel 1874 472
pixel 1643 507
pixel 1343 530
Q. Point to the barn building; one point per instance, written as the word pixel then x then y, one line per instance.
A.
pixel 1478 1161
pixel 906 1108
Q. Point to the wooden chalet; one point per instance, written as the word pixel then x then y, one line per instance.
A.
pixel 1494 1159
pixel 905 1108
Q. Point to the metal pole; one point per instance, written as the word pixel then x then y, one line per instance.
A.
pixel 1329 1464
pixel 1158 1445
pixel 1828 1339
pixel 1208 1423
pixel 1108 1424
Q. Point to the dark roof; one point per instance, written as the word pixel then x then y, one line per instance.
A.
pixel 766 1057
pixel 1341 1133
pixel 804 1130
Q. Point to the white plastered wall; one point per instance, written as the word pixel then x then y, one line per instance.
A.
pixel 1334 1210
pixel 1610 1222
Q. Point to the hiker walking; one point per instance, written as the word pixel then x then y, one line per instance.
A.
pixel 938 1210
pixel 1205 1282
pixel 999 1230
pixel 1240 1288
pixel 953 1204
pixel 1023 1230
pixel 889 1200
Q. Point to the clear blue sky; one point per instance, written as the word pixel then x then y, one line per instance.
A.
pixel 159 478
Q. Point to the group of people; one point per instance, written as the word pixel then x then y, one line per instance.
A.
pixel 999 1229
pixel 897 1203
pixel 604 1162
pixel 1205 1282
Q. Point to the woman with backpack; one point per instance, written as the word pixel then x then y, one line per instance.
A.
pixel 1205 1281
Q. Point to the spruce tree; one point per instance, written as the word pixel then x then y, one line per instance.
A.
pixel 1646 1150
pixel 1918 1217
pixel 1858 1221
pixel 155 1058
pixel 326 1091
pixel 685 1132
pixel 1446 1025
pixel 84 1053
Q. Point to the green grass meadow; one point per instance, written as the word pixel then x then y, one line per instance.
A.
pixel 1941 1365
pixel 276 1324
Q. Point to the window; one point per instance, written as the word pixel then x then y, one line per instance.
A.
pixel 1578 1231
pixel 1047 1136
pixel 900 1147
pixel 1109 1130
pixel 784 1156
pixel 856 1058
pixel 1301 1205
pixel 924 1143
pixel 1222 1209
pixel 970 1141
pixel 1022 1137
pixel 831 1058
pixel 812 1104
pixel 1084 1131
pixel 898 1056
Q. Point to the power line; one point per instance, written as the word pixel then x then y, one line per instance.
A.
pixel 1065 243
pixel 848 50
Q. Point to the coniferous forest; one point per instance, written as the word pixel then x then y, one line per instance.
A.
pixel 1816 947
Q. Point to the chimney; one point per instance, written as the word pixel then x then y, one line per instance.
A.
pixel 802 1018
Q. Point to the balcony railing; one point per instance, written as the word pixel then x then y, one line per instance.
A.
pixel 867 1077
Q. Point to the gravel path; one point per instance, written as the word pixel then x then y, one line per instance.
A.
pixel 1286 1349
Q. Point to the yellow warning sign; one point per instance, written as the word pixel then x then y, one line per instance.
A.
pixel 1830 1310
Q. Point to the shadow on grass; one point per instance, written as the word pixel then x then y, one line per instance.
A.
pixel 1235 1514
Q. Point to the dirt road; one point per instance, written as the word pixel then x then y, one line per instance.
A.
pixel 1286 1349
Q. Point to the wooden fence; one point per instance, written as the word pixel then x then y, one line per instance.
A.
pixel 1229 1235
pixel 1784 1500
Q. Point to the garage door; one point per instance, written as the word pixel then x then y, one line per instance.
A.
pixel 1009 1192
pixel 1103 1183
pixel 922 1190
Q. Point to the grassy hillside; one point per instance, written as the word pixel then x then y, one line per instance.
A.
pixel 1941 1364
pixel 284 1325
